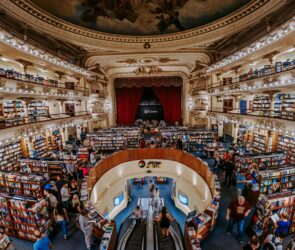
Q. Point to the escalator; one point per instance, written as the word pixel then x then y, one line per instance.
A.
pixel 160 242
pixel 175 240
pixel 136 239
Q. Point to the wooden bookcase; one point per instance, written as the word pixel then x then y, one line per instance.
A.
pixel 268 209
pixel 20 217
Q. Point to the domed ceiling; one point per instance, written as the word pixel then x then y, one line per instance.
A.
pixel 140 17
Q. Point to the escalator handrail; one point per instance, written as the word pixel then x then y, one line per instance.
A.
pixel 177 241
pixel 123 241
pixel 156 236
pixel 127 233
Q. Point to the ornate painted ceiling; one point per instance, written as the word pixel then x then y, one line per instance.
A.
pixel 139 25
pixel 140 17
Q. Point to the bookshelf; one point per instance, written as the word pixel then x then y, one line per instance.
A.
pixel 260 139
pixel 108 141
pixel 268 209
pixel 20 217
pixel 37 111
pixel 285 177
pixel 49 169
pixel 56 140
pixel 13 113
pixel 287 144
pixel 132 138
pixel 264 161
pixel 5 243
pixel 198 226
pixel 261 103
pixel 9 154
pixel 284 106
pixel 199 138
pixel 27 185
pixel 39 149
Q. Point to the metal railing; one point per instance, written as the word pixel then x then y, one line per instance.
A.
pixel 255 74
pixel 259 113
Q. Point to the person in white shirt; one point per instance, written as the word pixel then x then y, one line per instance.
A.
pixel 85 227
pixel 156 197
pixel 65 195
pixel 92 159
pixel 71 168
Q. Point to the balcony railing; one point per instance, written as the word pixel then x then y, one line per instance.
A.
pixel 41 81
pixel 255 74
pixel 20 121
pixel 290 115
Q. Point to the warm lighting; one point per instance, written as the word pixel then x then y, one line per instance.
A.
pixel 277 34
pixel 35 51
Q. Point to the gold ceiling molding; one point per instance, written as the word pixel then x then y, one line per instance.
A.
pixel 148 60
pixel 147 70
pixel 41 20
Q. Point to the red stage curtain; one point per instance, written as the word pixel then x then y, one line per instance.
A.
pixel 170 99
pixel 127 104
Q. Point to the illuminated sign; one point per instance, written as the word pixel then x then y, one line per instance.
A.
pixel 150 164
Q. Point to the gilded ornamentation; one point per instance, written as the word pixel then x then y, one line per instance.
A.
pixel 128 61
pixel 147 70
pixel 38 18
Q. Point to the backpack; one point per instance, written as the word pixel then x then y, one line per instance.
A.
pixel 52 202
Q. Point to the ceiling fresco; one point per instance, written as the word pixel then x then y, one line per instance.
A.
pixel 140 17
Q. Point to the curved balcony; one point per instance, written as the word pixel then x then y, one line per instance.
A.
pixel 257 113
pixel 266 74
pixel 13 122
pixel 31 81
pixel 109 178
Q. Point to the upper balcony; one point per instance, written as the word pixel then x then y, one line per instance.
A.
pixel 270 77
pixel 16 83
pixel 38 119
pixel 262 119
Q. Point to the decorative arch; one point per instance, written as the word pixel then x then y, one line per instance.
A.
pixel 111 92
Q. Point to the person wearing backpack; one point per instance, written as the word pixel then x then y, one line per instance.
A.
pixel 272 242
pixel 51 200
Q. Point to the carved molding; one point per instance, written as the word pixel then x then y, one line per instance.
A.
pixel 39 19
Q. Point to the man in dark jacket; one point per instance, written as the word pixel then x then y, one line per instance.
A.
pixel 229 169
